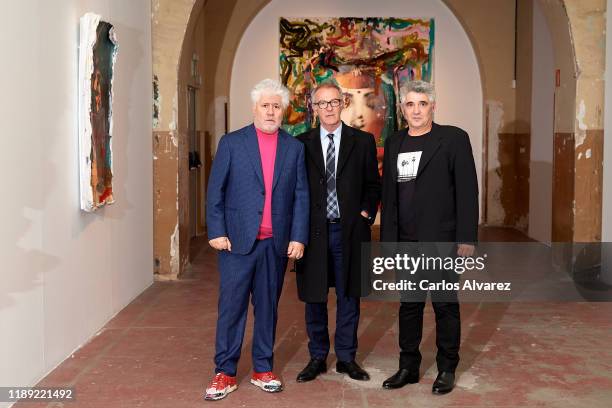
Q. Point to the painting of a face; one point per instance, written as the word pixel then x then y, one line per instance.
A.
pixel 365 110
pixel 369 58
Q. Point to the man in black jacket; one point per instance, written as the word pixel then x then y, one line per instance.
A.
pixel 430 195
pixel 344 187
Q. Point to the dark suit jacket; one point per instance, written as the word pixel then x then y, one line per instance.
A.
pixel 358 188
pixel 236 192
pixel 446 191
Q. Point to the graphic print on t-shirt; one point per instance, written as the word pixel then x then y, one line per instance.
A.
pixel 407 166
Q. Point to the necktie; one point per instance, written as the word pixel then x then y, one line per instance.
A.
pixel 330 171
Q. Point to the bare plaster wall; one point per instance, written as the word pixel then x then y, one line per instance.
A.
pixel 542 129
pixel 587 21
pixel 607 176
pixel 170 21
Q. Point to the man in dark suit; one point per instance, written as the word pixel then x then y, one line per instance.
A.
pixel 430 195
pixel 344 193
pixel 257 217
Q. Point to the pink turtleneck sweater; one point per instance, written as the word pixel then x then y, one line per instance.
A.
pixel 267 151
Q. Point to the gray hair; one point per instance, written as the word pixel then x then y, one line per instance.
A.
pixel 326 85
pixel 421 87
pixel 270 87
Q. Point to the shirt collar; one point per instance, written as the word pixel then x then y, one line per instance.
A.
pixel 336 132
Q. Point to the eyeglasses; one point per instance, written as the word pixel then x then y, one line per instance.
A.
pixel 334 103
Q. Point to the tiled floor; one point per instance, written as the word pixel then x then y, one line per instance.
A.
pixel 158 352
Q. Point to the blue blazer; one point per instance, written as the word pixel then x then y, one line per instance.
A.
pixel 235 198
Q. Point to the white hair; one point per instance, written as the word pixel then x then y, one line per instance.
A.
pixel 270 87
pixel 421 87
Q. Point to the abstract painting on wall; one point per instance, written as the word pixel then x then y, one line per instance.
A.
pixel 97 54
pixel 369 58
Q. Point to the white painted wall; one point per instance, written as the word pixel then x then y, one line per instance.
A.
pixel 542 132
pixel 65 272
pixel 456 73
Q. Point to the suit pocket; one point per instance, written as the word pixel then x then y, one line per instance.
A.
pixel 366 220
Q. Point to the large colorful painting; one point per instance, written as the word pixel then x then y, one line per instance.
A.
pixel 369 58
pixel 98 51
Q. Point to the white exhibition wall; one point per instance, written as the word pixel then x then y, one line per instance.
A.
pixel 65 273
pixel 456 72
pixel 542 132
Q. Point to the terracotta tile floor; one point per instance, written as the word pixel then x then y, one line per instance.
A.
pixel 158 352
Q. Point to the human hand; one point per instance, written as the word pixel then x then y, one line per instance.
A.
pixel 221 243
pixel 465 250
pixel 295 250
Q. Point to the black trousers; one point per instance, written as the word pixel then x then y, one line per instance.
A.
pixel 448 326
pixel 448 334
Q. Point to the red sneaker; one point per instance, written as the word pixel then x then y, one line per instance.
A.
pixel 267 381
pixel 220 386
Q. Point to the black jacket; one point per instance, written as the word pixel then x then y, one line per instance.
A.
pixel 446 191
pixel 358 188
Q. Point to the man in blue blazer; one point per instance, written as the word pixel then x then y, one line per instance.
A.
pixel 257 217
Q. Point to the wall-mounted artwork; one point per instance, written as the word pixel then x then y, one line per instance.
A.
pixel 369 58
pixel 97 54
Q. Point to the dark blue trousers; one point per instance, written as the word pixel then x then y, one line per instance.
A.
pixel 347 311
pixel 258 275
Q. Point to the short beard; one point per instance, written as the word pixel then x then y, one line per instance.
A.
pixel 268 128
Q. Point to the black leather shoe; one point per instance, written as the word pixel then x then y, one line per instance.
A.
pixel 312 370
pixel 401 378
pixel 353 370
pixel 445 382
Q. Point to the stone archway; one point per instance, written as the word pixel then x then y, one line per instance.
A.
pixel 576 27
pixel 261 29
pixel 172 20
pixel 580 114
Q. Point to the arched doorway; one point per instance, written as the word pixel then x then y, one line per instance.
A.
pixel 579 98
pixel 174 80
pixel 454 57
